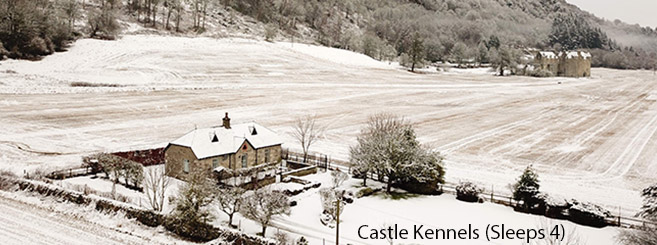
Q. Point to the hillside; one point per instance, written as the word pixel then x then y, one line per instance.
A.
pixel 385 29
pixel 440 30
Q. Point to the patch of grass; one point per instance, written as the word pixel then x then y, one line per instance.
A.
pixel 87 84
pixel 396 195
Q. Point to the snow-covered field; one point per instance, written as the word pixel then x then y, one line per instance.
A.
pixel 591 139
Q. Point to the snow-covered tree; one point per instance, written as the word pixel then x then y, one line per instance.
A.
pixel 649 208
pixel 526 189
pixel 229 201
pixel 191 211
pixel 156 184
pixel 646 234
pixel 388 147
pixel 468 191
pixel 263 204
pixel 330 198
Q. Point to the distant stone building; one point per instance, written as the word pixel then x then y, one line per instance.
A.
pixel 222 147
pixel 564 64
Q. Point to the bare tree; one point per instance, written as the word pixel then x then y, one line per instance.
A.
pixel 156 184
pixel 306 132
pixel 229 201
pixel 263 205
pixel 569 237
pixel 338 178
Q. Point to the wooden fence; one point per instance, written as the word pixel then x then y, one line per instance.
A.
pixel 320 160
pixel 71 172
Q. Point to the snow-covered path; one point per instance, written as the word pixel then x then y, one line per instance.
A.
pixel 22 223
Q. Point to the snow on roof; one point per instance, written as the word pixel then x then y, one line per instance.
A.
pixel 202 142
pixel 576 54
pixel 567 54
pixel 548 54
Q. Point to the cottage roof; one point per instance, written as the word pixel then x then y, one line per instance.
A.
pixel 548 54
pixel 217 141
pixel 576 54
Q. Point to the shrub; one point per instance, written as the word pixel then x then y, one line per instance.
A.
pixel 38 46
pixel 541 73
pixel 7 180
pixel 302 241
pixel 270 32
pixel 468 191
pixel 191 229
pixel 367 191
pixel 588 214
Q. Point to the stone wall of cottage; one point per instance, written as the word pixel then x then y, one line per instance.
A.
pixel 576 67
pixel 175 155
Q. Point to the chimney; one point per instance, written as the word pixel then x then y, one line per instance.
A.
pixel 226 121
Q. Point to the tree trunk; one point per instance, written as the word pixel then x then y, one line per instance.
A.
pixel 168 18
pixel 389 185
pixel 230 219
pixel 264 228
pixel 365 180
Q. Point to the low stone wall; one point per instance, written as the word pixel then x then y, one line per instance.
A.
pixel 301 172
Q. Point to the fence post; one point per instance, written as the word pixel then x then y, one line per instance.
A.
pixel 619 216
pixel 492 191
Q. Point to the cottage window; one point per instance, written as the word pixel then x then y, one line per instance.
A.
pixel 266 155
pixel 215 163
pixel 186 166
pixel 244 160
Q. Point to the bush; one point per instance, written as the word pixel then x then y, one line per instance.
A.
pixel 39 46
pixel 191 229
pixel 468 191
pixel 541 73
pixel 3 51
pixel 367 191
pixel 588 214
pixel 7 180
pixel 270 32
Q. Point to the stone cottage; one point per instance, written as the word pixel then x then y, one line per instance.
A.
pixel 564 64
pixel 222 147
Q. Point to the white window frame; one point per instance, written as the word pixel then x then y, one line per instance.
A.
pixel 186 166
pixel 215 163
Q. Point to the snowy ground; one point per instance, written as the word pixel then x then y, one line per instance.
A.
pixel 34 219
pixel 433 212
pixel 591 139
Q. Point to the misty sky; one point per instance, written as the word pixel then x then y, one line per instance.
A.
pixel 642 12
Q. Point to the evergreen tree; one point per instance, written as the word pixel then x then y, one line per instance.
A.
pixel 649 208
pixel 573 32
pixel 527 188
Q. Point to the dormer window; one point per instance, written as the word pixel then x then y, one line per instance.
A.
pixel 213 137
pixel 253 131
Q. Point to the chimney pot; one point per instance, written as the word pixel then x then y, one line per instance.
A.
pixel 226 121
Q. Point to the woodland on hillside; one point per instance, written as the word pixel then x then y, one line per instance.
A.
pixel 414 32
